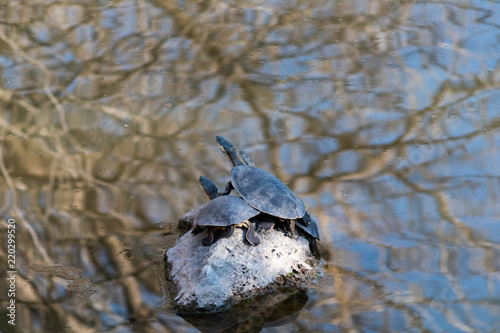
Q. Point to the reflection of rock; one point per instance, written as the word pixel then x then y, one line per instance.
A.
pixel 209 278
pixel 252 315
pixel 80 286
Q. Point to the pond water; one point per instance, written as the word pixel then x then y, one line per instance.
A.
pixel 383 116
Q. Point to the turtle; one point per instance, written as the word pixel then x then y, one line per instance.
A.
pixel 269 195
pixel 219 216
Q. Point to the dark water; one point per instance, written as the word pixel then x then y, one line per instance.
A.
pixel 382 115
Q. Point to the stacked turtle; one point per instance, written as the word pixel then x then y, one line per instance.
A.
pixel 265 203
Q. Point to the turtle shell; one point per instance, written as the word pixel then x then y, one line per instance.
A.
pixel 266 193
pixel 224 211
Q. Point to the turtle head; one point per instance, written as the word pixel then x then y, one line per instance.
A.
pixel 228 149
pixel 209 187
pixel 224 145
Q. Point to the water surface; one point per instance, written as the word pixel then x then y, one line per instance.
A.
pixel 382 115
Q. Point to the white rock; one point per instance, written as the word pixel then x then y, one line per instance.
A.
pixel 210 277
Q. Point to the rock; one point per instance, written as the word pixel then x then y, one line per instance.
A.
pixel 211 278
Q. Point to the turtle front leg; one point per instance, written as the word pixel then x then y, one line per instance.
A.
pixel 228 232
pixel 227 190
pixel 209 238
pixel 290 229
pixel 250 234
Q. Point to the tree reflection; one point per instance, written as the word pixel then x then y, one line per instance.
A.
pixel 381 115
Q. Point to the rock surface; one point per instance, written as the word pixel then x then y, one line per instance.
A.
pixel 209 278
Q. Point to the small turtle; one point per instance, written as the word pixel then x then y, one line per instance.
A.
pixel 222 214
pixel 262 190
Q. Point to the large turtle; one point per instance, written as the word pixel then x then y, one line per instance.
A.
pixel 268 194
pixel 222 214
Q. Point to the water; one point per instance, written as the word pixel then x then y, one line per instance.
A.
pixel 382 116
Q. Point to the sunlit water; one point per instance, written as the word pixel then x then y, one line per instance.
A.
pixel 383 116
